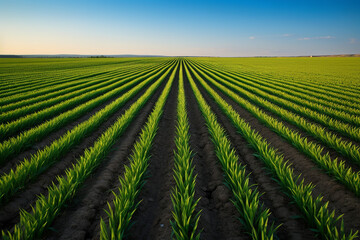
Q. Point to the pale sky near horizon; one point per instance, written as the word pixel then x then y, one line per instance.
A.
pixel 201 28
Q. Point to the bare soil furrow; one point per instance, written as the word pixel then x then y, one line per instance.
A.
pixel 9 213
pixel 219 218
pixel 283 211
pixel 81 218
pixel 152 219
pixel 11 164
pixel 333 153
pixel 339 197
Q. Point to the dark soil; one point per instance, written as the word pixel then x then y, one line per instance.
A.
pixel 152 219
pixel 91 200
pixel 280 206
pixel 9 213
pixel 340 198
pixel 36 146
pixel 338 134
pixel 219 219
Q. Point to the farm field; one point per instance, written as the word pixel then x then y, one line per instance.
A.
pixel 182 148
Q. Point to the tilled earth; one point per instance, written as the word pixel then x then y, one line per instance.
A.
pixel 219 218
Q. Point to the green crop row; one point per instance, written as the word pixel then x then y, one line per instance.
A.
pixel 55 86
pixel 295 93
pixel 32 224
pixel 334 167
pixel 254 216
pixel 20 97
pixel 344 128
pixel 96 84
pixel 14 92
pixel 346 148
pixel 30 120
pixel 313 87
pixel 55 78
pixel 50 92
pixel 43 79
pixel 124 203
pixel 322 115
pixel 16 144
pixel 348 117
pixel 40 79
pixel 322 89
pixel 14 71
pixel 285 83
pixel 13 111
pixel 332 101
pixel 314 211
pixel 335 90
pixel 185 221
pixel 39 162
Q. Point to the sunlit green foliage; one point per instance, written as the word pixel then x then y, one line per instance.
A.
pixel 314 210
pixel 124 203
pixel 185 220
pixel 337 168
pixel 246 197
pixel 313 104
pixel 32 224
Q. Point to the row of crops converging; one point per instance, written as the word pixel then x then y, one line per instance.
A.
pixel 182 148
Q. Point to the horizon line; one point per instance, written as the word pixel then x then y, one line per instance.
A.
pixel 64 55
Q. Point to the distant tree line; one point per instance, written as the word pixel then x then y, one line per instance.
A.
pixel 101 56
pixel 10 56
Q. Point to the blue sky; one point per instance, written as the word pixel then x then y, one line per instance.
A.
pixel 206 28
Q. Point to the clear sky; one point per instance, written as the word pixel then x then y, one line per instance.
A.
pixel 207 28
